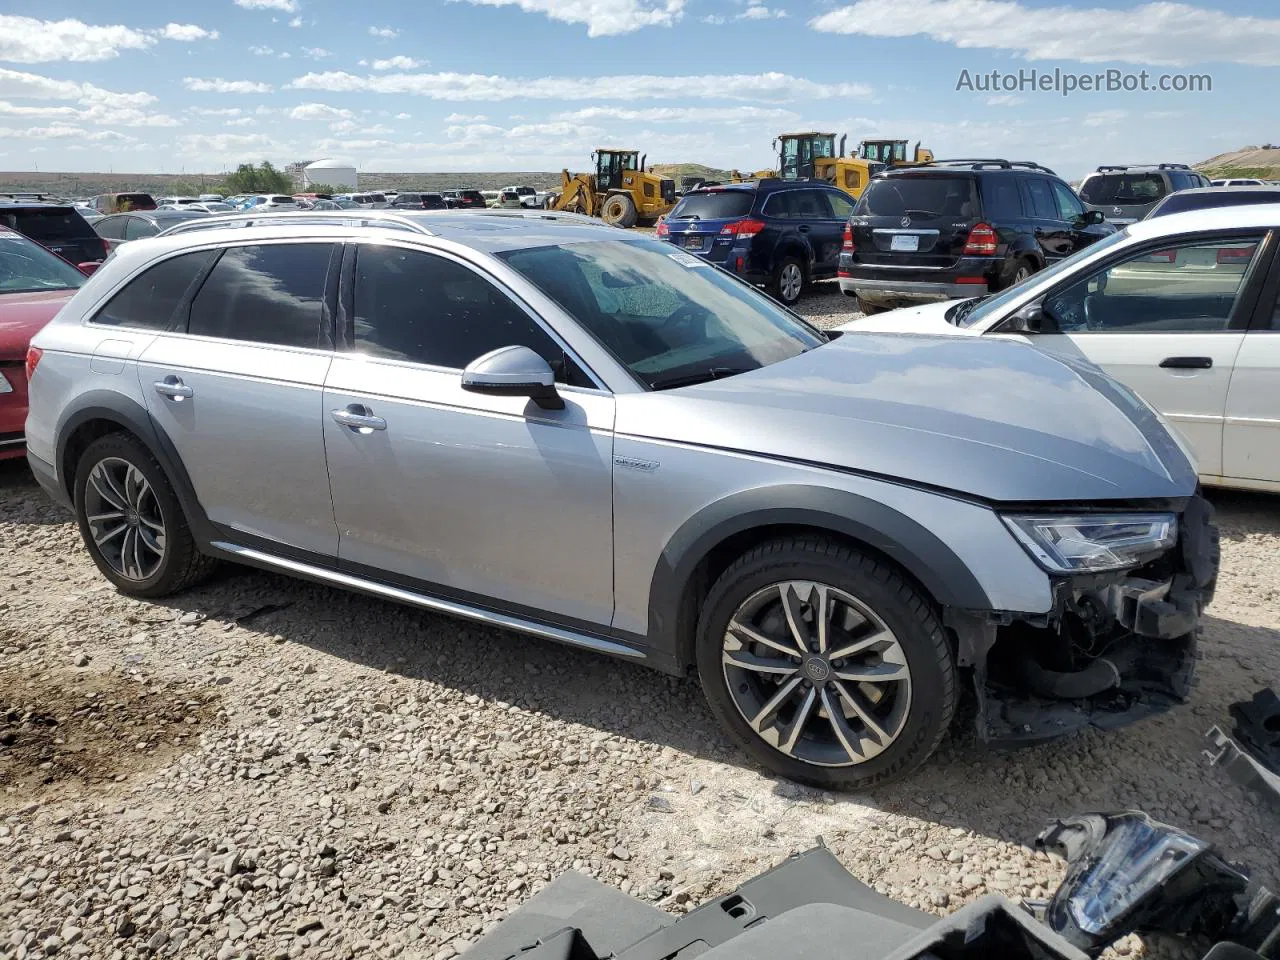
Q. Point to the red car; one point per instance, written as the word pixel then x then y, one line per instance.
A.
pixel 34 284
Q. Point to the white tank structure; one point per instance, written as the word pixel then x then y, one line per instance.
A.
pixel 336 173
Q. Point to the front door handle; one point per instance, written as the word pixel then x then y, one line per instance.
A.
pixel 172 388
pixel 359 418
pixel 1187 363
pixel 803 228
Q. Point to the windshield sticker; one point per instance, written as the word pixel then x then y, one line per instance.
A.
pixel 687 260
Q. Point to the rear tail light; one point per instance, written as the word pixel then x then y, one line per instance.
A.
pixel 1168 256
pixel 739 264
pixel 1236 255
pixel 664 230
pixel 33 359
pixel 971 279
pixel 742 228
pixel 981 242
pixel 846 244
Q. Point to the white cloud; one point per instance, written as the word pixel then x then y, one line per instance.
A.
pixel 714 19
pixel 1159 33
pixel 1005 100
pixel 603 18
pixel 288 6
pixel 403 116
pixel 398 63
pixel 1105 118
pixel 758 11
pixel 316 53
pixel 240 122
pixel 259 50
pixel 218 85
pixel 186 32
pixel 319 111
pixel 28 40
pixel 63 132
pixel 295 22
pixel 772 87
pixel 232 146
pixel 96 105
pixel 216 111
pixel 285 55
pixel 386 33
pixel 724 115
pixel 465 118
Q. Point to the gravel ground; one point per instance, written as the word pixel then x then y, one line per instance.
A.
pixel 263 767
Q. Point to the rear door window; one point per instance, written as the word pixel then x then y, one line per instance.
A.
pixel 812 205
pixel 136 228
pixel 716 205
pixel 111 228
pixel 266 294
pixel 841 205
pixel 150 299
pixel 922 197
pixel 1123 188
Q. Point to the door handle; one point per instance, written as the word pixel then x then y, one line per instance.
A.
pixel 1186 363
pixel 803 228
pixel 359 418
pixel 172 388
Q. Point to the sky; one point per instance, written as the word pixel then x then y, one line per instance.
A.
pixel 452 85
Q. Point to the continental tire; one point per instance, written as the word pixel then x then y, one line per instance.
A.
pixel 131 521
pixel 861 701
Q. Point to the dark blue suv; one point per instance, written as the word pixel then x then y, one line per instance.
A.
pixel 781 234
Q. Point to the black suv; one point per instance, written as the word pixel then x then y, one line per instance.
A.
pixel 419 201
pixel 782 234
pixel 58 226
pixel 1126 193
pixel 959 228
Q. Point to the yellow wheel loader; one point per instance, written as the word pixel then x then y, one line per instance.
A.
pixel 893 153
pixel 621 191
pixel 814 156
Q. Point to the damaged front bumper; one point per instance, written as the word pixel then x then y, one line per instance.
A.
pixel 1115 648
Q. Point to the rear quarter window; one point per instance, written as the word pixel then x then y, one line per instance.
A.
pixel 715 205
pixel 150 299
pixel 1000 200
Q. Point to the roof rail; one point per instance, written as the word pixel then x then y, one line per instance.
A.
pixel 1106 167
pixel 307 218
pixel 978 163
pixel 527 214
pixel 41 197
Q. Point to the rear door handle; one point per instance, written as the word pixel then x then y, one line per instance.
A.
pixel 359 418
pixel 172 388
pixel 1186 363
pixel 803 228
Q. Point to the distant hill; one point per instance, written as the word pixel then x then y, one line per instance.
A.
pixel 1261 162
pixel 159 184
pixel 677 170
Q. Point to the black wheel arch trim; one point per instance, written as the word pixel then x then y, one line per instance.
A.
pixel 132 416
pixel 891 533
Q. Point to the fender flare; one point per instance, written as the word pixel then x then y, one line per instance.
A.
pixel 887 531
pixel 128 413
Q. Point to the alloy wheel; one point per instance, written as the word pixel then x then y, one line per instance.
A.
pixel 124 518
pixel 816 673
pixel 790 281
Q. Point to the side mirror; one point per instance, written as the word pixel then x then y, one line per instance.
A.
pixel 88 268
pixel 1029 319
pixel 513 372
pixel 1092 218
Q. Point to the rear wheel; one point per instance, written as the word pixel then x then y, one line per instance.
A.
pixel 131 521
pixel 825 664
pixel 619 210
pixel 1021 272
pixel 788 280
pixel 868 308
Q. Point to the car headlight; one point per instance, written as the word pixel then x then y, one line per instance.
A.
pixel 1127 873
pixel 5 385
pixel 1090 543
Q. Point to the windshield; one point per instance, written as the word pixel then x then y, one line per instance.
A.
pixel 26 266
pixel 971 311
pixel 714 205
pixel 1123 188
pixel 670 318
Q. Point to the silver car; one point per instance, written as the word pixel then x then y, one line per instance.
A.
pixel 584 435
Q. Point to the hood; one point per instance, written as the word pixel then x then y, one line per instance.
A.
pixel 925 318
pixel 22 315
pixel 992 418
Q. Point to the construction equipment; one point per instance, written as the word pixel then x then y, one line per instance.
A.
pixel 620 191
pixel 893 153
pixel 813 155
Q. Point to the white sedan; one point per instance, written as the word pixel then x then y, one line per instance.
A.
pixel 1182 309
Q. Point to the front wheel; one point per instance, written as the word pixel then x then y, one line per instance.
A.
pixel 825 664
pixel 868 308
pixel 131 521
